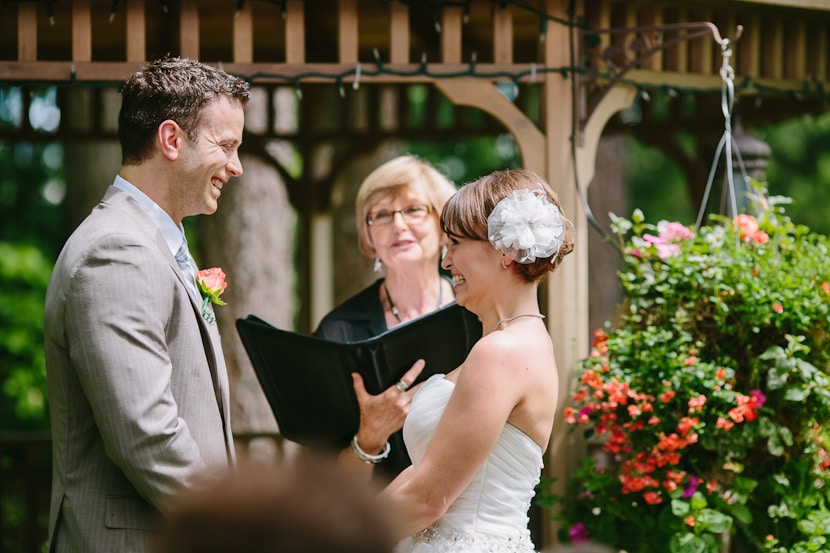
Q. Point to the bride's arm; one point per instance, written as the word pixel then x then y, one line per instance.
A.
pixel 487 389
pixel 399 480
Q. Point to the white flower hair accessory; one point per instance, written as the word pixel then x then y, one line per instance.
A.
pixel 526 226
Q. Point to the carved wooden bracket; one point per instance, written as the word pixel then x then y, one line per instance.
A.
pixel 604 67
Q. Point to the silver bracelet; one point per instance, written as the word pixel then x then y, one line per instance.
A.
pixel 366 457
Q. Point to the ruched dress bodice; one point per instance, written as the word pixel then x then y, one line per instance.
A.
pixel 490 515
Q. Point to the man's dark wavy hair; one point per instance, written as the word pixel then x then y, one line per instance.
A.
pixel 172 88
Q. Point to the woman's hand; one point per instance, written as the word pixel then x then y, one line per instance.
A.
pixel 383 414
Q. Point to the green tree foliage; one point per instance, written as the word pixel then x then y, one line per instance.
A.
pixel 800 168
pixel 31 234
pixel 24 271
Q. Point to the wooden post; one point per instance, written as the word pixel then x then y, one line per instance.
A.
pixel 26 32
pixel 567 294
pixel 136 31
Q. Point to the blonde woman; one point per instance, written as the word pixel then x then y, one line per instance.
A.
pixel 398 208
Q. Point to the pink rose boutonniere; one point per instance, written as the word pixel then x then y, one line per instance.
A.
pixel 211 284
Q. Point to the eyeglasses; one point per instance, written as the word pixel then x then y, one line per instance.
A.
pixel 410 214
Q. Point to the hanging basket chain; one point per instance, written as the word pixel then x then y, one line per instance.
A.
pixel 727 141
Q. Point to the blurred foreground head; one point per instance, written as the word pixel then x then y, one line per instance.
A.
pixel 306 506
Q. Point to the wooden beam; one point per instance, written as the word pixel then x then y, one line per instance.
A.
pixel 294 32
pixel 189 29
pixel 451 19
pixel 502 34
pixel 136 31
pixel 398 32
pixel 486 97
pixel 243 35
pixel 347 43
pixel 26 31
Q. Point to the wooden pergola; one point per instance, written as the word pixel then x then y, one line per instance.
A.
pixel 369 51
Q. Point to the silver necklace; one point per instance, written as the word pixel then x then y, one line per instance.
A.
pixel 394 309
pixel 514 317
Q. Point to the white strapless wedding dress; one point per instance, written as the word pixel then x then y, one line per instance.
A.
pixel 490 515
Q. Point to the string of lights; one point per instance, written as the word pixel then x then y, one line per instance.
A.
pixel 813 89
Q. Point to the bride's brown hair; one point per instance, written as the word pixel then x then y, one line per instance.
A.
pixel 465 214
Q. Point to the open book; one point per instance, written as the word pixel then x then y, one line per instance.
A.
pixel 307 380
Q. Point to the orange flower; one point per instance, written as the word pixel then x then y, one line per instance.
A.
pixel 652 498
pixel 723 423
pixel 696 403
pixel 689 520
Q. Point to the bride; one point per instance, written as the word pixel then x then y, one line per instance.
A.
pixel 476 435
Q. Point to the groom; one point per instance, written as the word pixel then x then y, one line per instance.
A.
pixel 138 390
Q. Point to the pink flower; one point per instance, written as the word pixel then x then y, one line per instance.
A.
pixel 669 234
pixel 578 533
pixel 691 487
pixel 212 283
pixel 759 396
pixel 748 228
pixel 673 231
pixel 777 307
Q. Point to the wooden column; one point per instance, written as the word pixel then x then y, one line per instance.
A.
pixel 347 32
pixel 243 35
pixel 451 18
pixel 136 31
pixel 294 32
pixel 399 32
pixel 81 31
pixel 26 32
pixel 189 29
pixel 567 294
pixel 502 34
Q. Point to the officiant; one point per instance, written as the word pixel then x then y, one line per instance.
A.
pixel 398 210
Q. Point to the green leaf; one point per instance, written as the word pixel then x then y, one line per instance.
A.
pixel 680 508
pixel 714 521
pixel 687 543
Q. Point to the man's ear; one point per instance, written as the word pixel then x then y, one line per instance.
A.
pixel 170 137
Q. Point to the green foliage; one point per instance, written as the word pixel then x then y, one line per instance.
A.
pixel 24 272
pixel 710 396
pixel 29 184
pixel 656 184
pixel 800 167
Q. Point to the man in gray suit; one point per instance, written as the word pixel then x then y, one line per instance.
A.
pixel 137 384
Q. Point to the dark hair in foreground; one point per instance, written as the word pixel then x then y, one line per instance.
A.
pixel 466 213
pixel 309 505
pixel 178 89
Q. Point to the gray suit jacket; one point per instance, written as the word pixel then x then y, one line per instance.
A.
pixel 137 385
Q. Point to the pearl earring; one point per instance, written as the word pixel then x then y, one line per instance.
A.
pixel 378 265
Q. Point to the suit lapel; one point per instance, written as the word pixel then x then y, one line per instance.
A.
pixel 213 348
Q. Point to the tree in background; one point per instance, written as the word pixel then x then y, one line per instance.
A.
pixel 31 227
pixel 799 169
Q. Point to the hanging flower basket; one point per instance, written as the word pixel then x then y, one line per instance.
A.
pixel 709 398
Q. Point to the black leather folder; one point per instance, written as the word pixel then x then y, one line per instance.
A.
pixel 307 380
